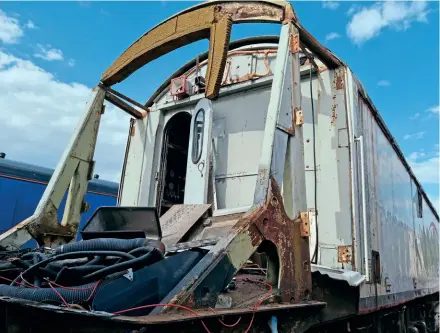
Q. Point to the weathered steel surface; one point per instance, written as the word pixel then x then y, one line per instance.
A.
pixel 411 269
pixel 274 145
pixel 179 219
pixel 124 106
pixel 294 282
pixel 54 319
pixel 192 244
pixel 128 99
pixel 208 20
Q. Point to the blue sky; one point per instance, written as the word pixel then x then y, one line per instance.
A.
pixel 51 53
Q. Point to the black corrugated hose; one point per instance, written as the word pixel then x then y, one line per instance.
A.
pixel 88 264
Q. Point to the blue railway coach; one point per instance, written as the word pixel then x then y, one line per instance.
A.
pixel 21 188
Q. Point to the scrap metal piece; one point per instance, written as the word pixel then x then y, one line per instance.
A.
pixel 179 219
pixel 269 223
pixel 191 245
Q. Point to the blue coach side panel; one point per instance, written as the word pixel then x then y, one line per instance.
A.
pixel 21 188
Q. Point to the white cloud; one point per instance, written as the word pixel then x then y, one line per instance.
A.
pixel 48 53
pixel 414 136
pixel 434 109
pixel 384 83
pixel 330 4
pixel 39 114
pixel 425 166
pixel 31 25
pixel 332 35
pixel 71 62
pixel 368 22
pixel 10 30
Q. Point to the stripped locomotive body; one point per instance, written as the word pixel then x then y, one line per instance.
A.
pixel 259 179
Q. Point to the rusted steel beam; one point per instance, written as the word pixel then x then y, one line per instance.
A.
pixel 128 99
pixel 123 106
pixel 212 20
pixel 269 224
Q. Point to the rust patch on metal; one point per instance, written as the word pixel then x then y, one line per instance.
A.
pixel 47 231
pixel 132 127
pixel 334 113
pixel 199 22
pixel 294 43
pixel 295 283
pixel 338 79
pixel 245 11
pixel 344 253
pixel 305 225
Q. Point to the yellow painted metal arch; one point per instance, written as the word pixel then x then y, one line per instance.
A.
pixel 212 20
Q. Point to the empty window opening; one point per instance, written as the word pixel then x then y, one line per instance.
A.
pixel 171 188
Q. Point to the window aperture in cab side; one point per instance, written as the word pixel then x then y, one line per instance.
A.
pixel 199 122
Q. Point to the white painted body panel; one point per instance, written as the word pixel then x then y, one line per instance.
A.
pixel 407 245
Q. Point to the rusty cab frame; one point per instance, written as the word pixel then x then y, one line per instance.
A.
pixel 277 218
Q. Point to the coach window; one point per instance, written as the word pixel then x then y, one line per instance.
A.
pixel 419 204
pixel 199 120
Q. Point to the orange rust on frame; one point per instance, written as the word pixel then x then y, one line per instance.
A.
pixel 338 79
pixel 334 113
pixel 208 20
pixel 305 225
pixel 270 222
pixel 295 281
pixel 344 253
pixel 294 43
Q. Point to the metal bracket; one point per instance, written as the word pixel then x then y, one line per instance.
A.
pixel 305 225
pixel 344 253
pixel 299 118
